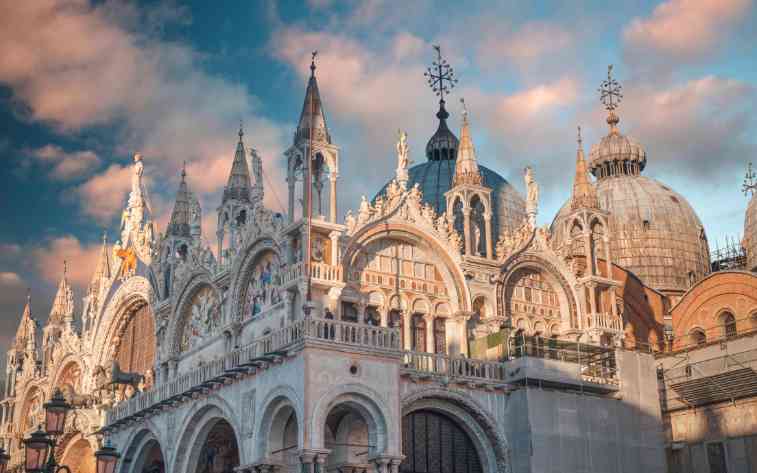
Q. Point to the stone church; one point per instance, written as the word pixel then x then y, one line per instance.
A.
pixel 433 329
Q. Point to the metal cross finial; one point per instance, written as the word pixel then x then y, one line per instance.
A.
pixel 241 133
pixel 580 141
pixel 610 91
pixel 465 109
pixel 749 185
pixel 184 170
pixel 440 76
pixel 65 268
pixel 312 62
pixel 105 236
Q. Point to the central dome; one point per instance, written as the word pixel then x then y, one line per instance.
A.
pixel 435 178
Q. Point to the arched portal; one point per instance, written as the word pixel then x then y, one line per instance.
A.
pixel 346 435
pixel 219 451
pixel 434 443
pixel 150 459
pixel 79 456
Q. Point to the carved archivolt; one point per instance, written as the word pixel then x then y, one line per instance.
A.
pixel 135 290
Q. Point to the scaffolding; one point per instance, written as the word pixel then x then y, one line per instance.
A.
pixel 731 255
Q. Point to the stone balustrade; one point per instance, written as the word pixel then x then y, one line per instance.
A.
pixel 259 354
pixel 604 321
pixel 321 272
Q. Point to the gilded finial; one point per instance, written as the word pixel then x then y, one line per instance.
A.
pixel 749 185
pixel 312 62
pixel 105 237
pixel 610 95
pixel 65 268
pixel 465 110
pixel 241 132
pixel 580 141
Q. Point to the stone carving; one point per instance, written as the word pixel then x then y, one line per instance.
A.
pixel 403 160
pixel 263 289
pixel 203 319
pixel 513 241
pixel 532 199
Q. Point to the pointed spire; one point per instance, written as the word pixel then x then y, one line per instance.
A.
pixel 584 193
pixel 63 304
pixel 26 332
pixel 239 184
pixel 179 223
pixel 102 270
pixel 466 166
pixel 312 115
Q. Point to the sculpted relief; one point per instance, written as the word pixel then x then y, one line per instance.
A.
pixel 203 319
pixel 263 289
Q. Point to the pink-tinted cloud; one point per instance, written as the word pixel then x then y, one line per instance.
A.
pixel 81 259
pixel 104 195
pixel 683 30
pixel 64 165
pixel 77 65
pixel 524 45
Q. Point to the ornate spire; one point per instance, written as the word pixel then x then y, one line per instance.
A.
pixel 312 112
pixel 63 304
pixel 441 79
pixel 179 223
pixel 102 270
pixel 238 186
pixel 466 166
pixel 584 193
pixel 26 333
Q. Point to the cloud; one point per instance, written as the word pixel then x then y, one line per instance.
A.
pixel 683 30
pixel 525 45
pixel 104 195
pixel 78 67
pixel 66 165
pixel 81 259
pixel 676 125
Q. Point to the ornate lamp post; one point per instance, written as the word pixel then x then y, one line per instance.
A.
pixel 107 457
pixel 39 448
pixel 4 459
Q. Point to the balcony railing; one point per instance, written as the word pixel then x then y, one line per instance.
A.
pixel 320 271
pixel 605 322
pixel 254 355
pixel 453 367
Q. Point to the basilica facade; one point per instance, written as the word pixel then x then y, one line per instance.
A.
pixel 434 328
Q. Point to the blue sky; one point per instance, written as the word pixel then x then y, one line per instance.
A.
pixel 85 85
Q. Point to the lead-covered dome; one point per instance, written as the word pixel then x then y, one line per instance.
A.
pixel 654 232
pixel 435 178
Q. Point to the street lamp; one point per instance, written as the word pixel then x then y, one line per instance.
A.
pixel 106 456
pixel 36 449
pixel 4 459
pixel 55 414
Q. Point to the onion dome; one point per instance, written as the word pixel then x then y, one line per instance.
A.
pixel 616 153
pixel 443 144
pixel 654 232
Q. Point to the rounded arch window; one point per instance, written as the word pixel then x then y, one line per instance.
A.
pixel 263 285
pixel 698 337
pixel 728 322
